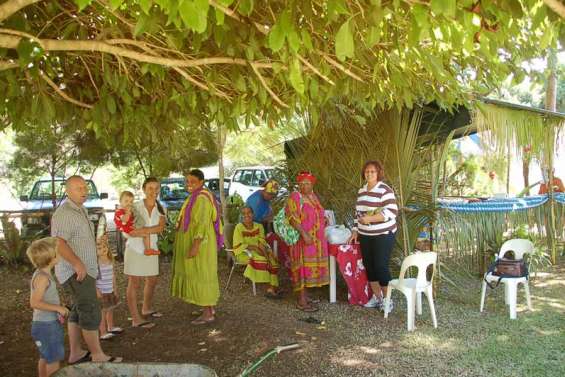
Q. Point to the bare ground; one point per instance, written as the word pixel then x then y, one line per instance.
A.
pixel 352 342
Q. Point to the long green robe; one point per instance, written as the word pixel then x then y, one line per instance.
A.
pixel 195 280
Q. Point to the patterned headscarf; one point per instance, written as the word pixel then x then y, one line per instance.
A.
pixel 305 176
pixel 271 186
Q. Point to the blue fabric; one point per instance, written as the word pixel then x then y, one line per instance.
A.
pixel 496 205
pixel 49 338
pixel 261 207
pixel 560 197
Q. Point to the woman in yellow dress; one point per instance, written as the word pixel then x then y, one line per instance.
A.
pixel 262 265
pixel 195 259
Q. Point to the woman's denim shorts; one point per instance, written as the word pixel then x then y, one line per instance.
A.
pixel 49 338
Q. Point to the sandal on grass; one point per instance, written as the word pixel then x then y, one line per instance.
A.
pixel 86 358
pixel 203 321
pixel 107 336
pixel 154 314
pixel 116 330
pixel 144 325
pixel 273 295
pixel 307 308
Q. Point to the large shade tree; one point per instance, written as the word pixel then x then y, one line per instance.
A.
pixel 120 68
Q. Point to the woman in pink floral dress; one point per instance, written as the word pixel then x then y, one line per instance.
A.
pixel 309 256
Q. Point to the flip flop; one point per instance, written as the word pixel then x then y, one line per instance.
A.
pixel 313 300
pixel 86 358
pixel 273 295
pixel 116 330
pixel 202 321
pixel 112 359
pixel 107 336
pixel 154 314
pixel 307 309
pixel 144 325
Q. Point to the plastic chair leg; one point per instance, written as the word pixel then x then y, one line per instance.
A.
pixel 229 277
pixel 254 288
pixel 506 297
pixel 512 292
pixel 528 297
pixel 483 295
pixel 388 295
pixel 419 303
pixel 429 294
pixel 411 309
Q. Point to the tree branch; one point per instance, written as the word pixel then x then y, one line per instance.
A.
pixel 262 79
pixel 10 7
pixel 12 41
pixel 341 67
pixel 556 6
pixel 315 70
pixel 6 64
pixel 63 94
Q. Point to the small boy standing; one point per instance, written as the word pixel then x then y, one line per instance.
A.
pixel 48 313
pixel 127 220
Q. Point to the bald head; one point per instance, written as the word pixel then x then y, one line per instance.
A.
pixel 76 188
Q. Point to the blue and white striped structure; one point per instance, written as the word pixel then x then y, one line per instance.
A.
pixel 496 205
pixel 560 197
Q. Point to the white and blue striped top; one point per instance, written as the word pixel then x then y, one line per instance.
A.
pixel 105 281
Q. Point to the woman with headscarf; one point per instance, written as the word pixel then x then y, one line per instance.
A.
pixel 199 236
pixel 262 266
pixel 309 256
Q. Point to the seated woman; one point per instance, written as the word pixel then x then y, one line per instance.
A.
pixel 262 265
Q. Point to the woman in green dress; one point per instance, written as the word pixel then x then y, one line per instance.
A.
pixel 198 238
pixel 262 265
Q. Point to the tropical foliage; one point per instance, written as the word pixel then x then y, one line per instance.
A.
pixel 123 68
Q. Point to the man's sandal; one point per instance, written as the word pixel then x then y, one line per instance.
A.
pixel 144 325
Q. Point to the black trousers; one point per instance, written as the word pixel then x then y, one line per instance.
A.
pixel 376 252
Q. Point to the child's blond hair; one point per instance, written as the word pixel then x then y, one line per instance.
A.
pixel 126 193
pixel 102 243
pixel 42 252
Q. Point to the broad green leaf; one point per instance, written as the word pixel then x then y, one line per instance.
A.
pixel 307 40
pixel 194 14
pixel 446 7
pixel 286 22
pixel 276 38
pixel 82 4
pixel 115 4
pixel 344 45
pixel 373 36
pixel 145 5
pixel 246 7
pixel 111 104
pixel 142 25
pixel 293 40
pixel 336 7
pixel 295 76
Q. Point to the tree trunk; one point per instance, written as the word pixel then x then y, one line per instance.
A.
pixel 550 104
pixel 221 142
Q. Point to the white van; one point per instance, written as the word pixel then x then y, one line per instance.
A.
pixel 245 181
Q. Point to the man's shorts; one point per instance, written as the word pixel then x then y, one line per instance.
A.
pixel 85 308
pixel 49 338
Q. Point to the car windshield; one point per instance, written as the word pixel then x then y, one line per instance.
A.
pixel 173 190
pixel 42 190
pixel 269 173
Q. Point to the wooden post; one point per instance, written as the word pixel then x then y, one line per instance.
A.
pixel 550 104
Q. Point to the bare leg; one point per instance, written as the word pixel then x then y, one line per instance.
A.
pixel 93 344
pixel 148 291
pixel 76 350
pixel 146 242
pixel 51 368
pixel 103 327
pixel 109 320
pixel 377 290
pixel 131 294
pixel 42 368
pixel 302 298
pixel 384 290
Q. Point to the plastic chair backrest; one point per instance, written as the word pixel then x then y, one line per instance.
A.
pixel 421 261
pixel 519 246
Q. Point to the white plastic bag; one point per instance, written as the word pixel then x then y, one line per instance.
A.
pixel 337 234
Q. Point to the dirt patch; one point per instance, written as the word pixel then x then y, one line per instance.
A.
pixel 353 341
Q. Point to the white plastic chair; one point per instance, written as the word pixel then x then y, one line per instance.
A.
pixel 520 247
pixel 233 259
pixel 413 288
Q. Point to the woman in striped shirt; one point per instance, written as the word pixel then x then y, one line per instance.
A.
pixel 375 229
